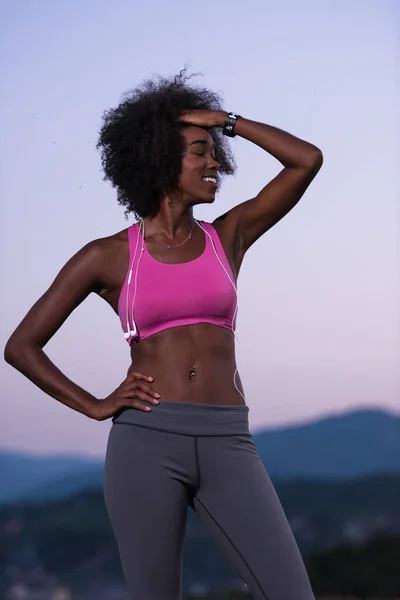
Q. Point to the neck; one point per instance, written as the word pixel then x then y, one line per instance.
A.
pixel 171 221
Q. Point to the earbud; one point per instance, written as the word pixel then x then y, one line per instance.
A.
pixel 129 334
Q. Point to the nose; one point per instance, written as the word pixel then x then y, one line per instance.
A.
pixel 213 163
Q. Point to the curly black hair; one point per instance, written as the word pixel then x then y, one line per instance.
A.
pixel 141 142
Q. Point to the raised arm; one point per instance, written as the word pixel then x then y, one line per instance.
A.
pixel 301 161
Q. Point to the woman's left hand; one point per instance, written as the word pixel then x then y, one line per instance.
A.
pixel 204 118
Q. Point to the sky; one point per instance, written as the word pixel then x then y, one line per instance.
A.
pixel 318 324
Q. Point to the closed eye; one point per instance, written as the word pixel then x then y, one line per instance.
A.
pixel 205 145
pixel 202 154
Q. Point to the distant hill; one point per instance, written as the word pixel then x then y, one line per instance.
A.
pixel 34 476
pixel 347 445
pixel 350 445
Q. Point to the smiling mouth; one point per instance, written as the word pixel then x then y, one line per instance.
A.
pixel 210 180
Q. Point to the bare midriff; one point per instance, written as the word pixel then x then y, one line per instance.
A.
pixel 194 363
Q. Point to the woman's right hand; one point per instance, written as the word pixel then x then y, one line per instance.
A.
pixel 128 395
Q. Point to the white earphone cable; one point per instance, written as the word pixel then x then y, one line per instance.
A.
pixel 130 332
pixel 136 277
pixel 237 303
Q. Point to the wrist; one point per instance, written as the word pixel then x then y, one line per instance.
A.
pixel 91 410
pixel 221 118
pixel 230 124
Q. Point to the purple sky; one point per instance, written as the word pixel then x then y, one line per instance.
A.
pixel 318 325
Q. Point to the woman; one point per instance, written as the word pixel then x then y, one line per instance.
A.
pixel 180 431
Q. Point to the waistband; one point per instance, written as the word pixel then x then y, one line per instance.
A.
pixel 190 418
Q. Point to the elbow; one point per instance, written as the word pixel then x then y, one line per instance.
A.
pixel 315 159
pixel 310 160
pixel 15 351
pixel 11 352
pixel 19 349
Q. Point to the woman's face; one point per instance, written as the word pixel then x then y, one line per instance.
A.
pixel 199 177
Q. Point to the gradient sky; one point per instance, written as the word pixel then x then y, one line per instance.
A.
pixel 318 325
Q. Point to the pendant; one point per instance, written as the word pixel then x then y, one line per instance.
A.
pixel 169 247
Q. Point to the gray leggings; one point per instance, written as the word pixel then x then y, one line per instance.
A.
pixel 180 454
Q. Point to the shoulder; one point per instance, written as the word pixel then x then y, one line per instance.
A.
pixel 103 247
pixel 217 226
pixel 99 254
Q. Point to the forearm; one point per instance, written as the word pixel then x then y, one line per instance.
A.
pixel 34 363
pixel 288 149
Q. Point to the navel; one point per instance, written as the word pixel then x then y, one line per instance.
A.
pixel 192 373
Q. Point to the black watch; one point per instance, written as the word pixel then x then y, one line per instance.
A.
pixel 230 122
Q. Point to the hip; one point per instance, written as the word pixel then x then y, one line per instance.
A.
pixel 190 418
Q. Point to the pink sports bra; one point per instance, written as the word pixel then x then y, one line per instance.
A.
pixel 156 296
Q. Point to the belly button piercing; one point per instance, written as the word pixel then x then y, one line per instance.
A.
pixel 192 373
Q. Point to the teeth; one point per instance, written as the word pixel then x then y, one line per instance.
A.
pixel 210 179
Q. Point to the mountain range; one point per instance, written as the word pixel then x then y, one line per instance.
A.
pixel 351 445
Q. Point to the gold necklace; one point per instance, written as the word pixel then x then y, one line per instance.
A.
pixel 189 237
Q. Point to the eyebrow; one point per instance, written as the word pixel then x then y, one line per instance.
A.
pixel 198 142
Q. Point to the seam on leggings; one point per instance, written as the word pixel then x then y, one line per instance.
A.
pixel 198 472
pixel 184 434
pixel 233 546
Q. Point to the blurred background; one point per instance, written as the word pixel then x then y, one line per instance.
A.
pixel 319 293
